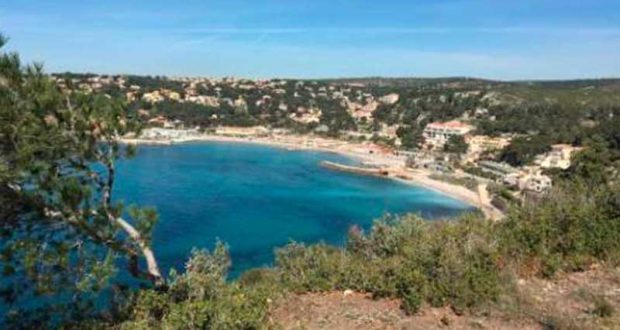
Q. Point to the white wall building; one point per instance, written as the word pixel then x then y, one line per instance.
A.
pixel 558 157
pixel 437 134
pixel 156 133
pixel 529 179
pixel 538 183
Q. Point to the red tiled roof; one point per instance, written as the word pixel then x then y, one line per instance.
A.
pixel 449 124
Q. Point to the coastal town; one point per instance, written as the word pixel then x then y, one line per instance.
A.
pixel 430 167
pixel 451 155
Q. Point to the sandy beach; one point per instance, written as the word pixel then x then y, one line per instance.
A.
pixel 358 151
pixel 367 154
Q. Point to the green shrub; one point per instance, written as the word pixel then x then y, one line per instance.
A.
pixel 412 300
pixel 408 258
pixel 312 268
pixel 258 277
pixel 412 288
pixel 568 230
pixel 200 298
pixel 602 307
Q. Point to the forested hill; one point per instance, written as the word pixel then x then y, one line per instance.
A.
pixel 562 91
pixel 579 92
pixel 412 82
pixel 392 111
pixel 409 82
pixel 471 82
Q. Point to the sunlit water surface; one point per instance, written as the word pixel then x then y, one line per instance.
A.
pixel 256 198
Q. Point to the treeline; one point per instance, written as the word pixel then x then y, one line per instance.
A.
pixel 384 82
pixel 541 126
pixel 576 83
pixel 151 83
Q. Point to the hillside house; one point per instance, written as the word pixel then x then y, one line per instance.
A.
pixel 558 157
pixel 478 144
pixel 529 180
pixel 437 134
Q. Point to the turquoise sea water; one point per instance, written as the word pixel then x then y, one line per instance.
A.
pixel 256 198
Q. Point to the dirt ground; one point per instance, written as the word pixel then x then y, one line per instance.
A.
pixel 586 300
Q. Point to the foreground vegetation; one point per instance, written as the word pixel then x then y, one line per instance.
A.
pixel 66 246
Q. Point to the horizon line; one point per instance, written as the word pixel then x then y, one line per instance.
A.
pixel 343 77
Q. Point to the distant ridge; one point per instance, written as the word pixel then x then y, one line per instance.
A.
pixel 414 82
pixel 378 81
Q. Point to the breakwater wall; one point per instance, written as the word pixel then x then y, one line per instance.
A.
pixel 355 169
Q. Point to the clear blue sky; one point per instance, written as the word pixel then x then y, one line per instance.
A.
pixel 500 39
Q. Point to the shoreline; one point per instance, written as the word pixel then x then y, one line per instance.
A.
pixel 417 178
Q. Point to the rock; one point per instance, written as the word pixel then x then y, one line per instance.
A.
pixel 348 292
pixel 322 129
pixel 389 98
pixel 445 320
pixel 51 120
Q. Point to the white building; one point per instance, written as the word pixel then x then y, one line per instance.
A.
pixel 538 183
pixel 389 98
pixel 558 157
pixel 437 134
pixel 153 97
pixel 529 179
pixel 156 133
pixel 312 115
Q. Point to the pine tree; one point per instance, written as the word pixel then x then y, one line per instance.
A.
pixel 61 229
